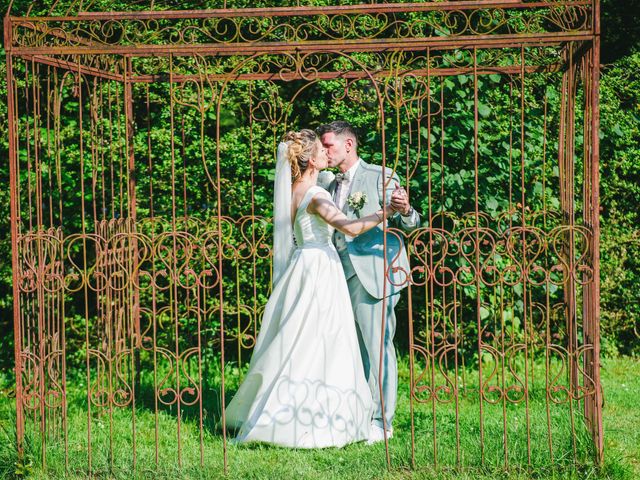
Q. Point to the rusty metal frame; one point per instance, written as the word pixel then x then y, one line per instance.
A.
pixel 108 47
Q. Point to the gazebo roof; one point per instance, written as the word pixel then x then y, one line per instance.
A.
pixel 78 7
pixel 81 32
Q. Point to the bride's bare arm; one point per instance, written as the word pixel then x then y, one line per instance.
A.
pixel 327 210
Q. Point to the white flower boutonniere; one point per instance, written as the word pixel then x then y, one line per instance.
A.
pixel 357 200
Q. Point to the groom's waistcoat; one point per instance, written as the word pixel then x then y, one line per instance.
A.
pixel 364 255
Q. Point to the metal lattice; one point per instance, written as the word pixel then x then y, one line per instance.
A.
pixel 141 246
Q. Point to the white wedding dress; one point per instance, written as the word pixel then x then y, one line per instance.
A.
pixel 305 386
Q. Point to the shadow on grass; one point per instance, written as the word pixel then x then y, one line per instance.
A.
pixel 152 435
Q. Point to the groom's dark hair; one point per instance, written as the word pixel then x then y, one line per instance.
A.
pixel 339 127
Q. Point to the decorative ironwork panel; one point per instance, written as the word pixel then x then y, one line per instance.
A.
pixel 142 150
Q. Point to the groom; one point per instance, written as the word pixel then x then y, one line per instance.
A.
pixel 357 191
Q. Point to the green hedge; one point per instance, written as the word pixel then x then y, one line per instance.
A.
pixel 620 192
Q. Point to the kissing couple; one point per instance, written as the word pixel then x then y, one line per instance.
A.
pixel 314 379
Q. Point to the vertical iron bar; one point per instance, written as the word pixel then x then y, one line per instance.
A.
pixel 597 427
pixel 38 230
pixel 199 299
pixel 153 287
pixel 48 130
pixel 430 293
pixel 84 264
pixel 569 208
pixel 477 249
pixel 174 275
pixel 134 310
pixel 253 220
pixel 14 199
pixel 524 254
pixel 220 284
pixel 547 312
pixel 384 280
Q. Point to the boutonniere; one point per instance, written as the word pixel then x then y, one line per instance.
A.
pixel 357 200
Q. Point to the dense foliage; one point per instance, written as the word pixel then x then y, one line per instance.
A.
pixel 620 193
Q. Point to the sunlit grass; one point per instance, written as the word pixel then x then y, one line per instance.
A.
pixel 112 443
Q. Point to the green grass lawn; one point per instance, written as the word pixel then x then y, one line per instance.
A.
pixel 621 379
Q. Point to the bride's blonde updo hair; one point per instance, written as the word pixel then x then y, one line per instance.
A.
pixel 303 146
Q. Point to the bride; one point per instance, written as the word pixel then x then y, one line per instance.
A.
pixel 305 386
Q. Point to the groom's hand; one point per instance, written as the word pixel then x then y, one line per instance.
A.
pixel 400 200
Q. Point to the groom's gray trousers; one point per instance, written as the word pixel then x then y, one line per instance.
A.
pixel 368 315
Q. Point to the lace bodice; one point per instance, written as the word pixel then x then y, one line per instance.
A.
pixel 311 230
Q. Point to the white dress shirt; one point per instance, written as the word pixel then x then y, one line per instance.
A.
pixel 346 185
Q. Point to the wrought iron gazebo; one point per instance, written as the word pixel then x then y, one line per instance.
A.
pixel 141 149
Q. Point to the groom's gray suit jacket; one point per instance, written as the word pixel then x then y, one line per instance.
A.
pixel 366 251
